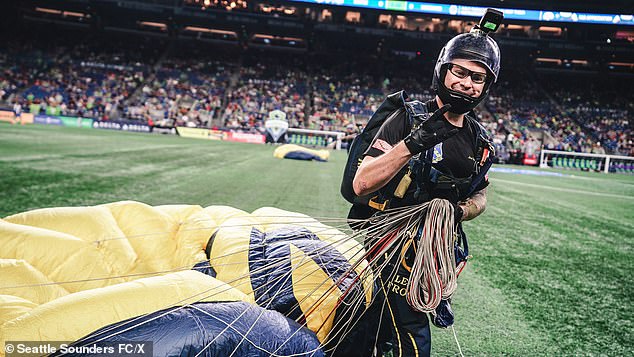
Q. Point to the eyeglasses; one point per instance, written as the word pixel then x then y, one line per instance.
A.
pixel 461 72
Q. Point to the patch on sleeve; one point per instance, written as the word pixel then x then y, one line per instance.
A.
pixel 382 145
pixel 437 157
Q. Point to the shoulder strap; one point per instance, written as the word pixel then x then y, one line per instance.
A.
pixel 484 153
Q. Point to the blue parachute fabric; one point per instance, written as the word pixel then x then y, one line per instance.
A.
pixel 270 267
pixel 205 268
pixel 301 155
pixel 218 329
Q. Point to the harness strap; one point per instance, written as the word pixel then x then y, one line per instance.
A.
pixel 378 206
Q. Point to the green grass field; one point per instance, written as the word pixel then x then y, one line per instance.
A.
pixel 551 273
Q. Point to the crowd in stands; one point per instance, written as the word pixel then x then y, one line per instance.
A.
pixel 602 107
pixel 344 90
pixel 72 74
pixel 526 108
pixel 168 85
pixel 266 83
pixel 181 92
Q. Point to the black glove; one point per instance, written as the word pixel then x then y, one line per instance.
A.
pixel 431 132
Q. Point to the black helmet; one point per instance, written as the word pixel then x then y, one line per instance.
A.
pixel 474 46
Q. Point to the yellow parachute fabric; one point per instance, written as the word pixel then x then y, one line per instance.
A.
pixel 73 316
pixel 293 151
pixel 99 265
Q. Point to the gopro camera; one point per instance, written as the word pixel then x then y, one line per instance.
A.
pixel 490 21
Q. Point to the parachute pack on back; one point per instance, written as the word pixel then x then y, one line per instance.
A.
pixel 393 105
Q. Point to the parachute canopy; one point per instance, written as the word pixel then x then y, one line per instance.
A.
pixel 127 271
pixel 296 152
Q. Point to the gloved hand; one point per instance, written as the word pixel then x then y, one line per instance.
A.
pixel 431 132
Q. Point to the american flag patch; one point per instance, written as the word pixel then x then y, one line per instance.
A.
pixel 382 145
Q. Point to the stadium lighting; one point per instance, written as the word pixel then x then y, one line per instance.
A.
pixel 48 11
pixel 478 11
pixel 156 25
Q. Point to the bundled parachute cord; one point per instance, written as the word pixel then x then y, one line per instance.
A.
pixel 433 276
pixel 388 257
pixel 387 241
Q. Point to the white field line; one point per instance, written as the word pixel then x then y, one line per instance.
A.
pixel 563 189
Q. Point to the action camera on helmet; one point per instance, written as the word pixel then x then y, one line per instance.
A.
pixel 490 21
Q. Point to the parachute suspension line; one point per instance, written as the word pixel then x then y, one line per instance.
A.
pixel 177 269
pixel 394 227
pixel 393 231
pixel 358 300
pixel 291 221
pixel 348 325
pixel 176 308
pixel 434 268
pixel 456 339
pixel 357 303
pixel 393 235
pixel 230 325
pixel 320 300
pixel 245 337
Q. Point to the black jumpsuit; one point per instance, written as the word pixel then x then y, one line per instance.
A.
pixel 408 330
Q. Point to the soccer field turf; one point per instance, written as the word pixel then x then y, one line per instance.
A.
pixel 552 255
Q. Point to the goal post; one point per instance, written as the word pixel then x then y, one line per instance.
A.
pixel 586 161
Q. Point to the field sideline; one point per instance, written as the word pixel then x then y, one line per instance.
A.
pixel 551 272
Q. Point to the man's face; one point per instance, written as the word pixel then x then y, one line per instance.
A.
pixel 465 85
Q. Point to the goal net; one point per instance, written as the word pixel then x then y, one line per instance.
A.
pixel 586 162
